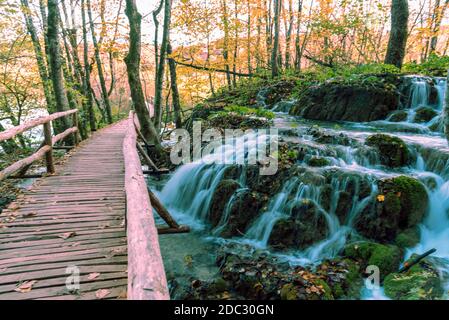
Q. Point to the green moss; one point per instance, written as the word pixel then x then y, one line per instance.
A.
pixel 318 162
pixel 289 292
pixel 421 282
pixel 393 150
pixel 408 238
pixel 392 204
pixel 327 290
pixel 413 197
pixel 386 257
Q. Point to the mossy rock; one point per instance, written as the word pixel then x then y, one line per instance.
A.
pixel 392 150
pixel 223 192
pixel 289 292
pixel 327 291
pixel 424 114
pixel 421 282
pixel 318 162
pixel 401 203
pixel 386 257
pixel 398 116
pixel 408 238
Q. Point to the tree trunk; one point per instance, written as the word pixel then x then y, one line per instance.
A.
pixel 161 66
pixel 438 17
pixel 40 58
pixel 88 99
pixel 104 91
pixel 156 34
pixel 226 42
pixel 55 62
pixel 132 61
pixel 398 34
pixel 275 52
pixel 174 88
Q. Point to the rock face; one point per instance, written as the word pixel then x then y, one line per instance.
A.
pixel 339 102
pixel 305 226
pixel 421 282
pixel 392 150
pixel 401 203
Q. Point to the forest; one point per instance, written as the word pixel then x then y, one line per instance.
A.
pixel 350 97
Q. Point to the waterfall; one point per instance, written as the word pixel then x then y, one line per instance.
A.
pixel 419 93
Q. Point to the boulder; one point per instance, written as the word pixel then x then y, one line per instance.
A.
pixel 223 192
pixel 342 102
pixel 318 162
pixel 270 95
pixel 244 210
pixel 386 257
pixel 408 238
pixel 402 203
pixel 398 116
pixel 306 225
pixel 421 282
pixel 424 114
pixel 393 151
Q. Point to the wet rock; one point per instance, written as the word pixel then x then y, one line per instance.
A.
pixel 222 194
pixel 305 226
pixel 343 276
pixel 343 206
pixel 421 282
pixel 424 114
pixel 244 209
pixel 330 137
pixel 406 85
pixel 255 275
pixel 318 162
pixel 386 257
pixel 401 203
pixel 398 116
pixel 392 150
pixel 340 102
pixel 408 238
pixel 270 95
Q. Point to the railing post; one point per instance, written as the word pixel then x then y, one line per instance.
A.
pixel 75 124
pixel 48 142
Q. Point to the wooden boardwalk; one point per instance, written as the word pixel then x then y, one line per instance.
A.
pixel 73 221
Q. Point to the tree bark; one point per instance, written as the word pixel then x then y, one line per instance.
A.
pixel 55 62
pixel 226 42
pixel 275 52
pixel 398 34
pixel 40 58
pixel 132 61
pixel 161 66
pixel 88 99
pixel 104 91
pixel 174 88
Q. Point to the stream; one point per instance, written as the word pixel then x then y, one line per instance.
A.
pixel 188 192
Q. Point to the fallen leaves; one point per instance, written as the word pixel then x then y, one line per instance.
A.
pixel 380 198
pixel 67 235
pixel 25 286
pixel 102 293
pixel 29 214
pixel 93 276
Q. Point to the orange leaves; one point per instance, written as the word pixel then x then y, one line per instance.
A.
pixel 25 286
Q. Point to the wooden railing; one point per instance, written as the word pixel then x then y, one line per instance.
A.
pixel 146 274
pixel 46 148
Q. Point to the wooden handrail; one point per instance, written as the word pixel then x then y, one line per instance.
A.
pixel 46 148
pixel 146 273
pixel 11 133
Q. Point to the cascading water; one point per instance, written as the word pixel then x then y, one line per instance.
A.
pixel 189 192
